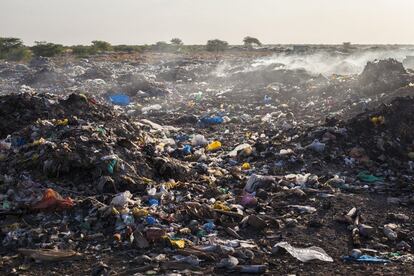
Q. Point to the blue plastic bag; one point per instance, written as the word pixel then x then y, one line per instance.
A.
pixel 187 149
pixel 120 99
pixel 153 202
pixel 209 226
pixel 150 220
pixel 365 259
pixel 214 120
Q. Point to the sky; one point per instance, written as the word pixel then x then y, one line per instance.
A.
pixel 73 22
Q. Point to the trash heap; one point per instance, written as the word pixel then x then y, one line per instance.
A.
pixel 386 133
pixel 210 180
pixel 383 76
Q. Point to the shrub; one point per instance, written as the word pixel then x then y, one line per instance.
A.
pixel 19 54
pixel 125 48
pixel 101 46
pixel 216 45
pixel 83 51
pixel 161 46
pixel 46 49
pixel 176 42
pixel 8 44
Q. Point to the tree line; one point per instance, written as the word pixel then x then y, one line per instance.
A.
pixel 13 49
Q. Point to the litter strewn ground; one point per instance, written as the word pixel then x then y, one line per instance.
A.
pixel 195 165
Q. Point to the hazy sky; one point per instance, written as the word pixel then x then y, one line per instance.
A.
pixel 196 21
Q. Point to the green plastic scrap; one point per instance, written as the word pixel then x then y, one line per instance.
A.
pixel 6 205
pixel 101 131
pixel 223 190
pixel 112 165
pixel 394 254
pixel 199 96
pixel 366 177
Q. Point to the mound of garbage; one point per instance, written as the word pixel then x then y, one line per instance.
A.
pixel 78 143
pixel 386 132
pixel 383 76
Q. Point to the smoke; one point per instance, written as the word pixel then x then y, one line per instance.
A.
pixel 331 63
pixel 320 62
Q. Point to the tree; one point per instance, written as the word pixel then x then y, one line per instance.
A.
pixel 46 49
pixel 101 46
pixel 216 45
pixel 161 46
pixel 9 43
pixel 12 48
pixel 176 42
pixel 249 41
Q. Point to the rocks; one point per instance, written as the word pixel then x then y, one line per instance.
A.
pixel 389 231
pixel 399 217
pixel 366 230
pixel 256 222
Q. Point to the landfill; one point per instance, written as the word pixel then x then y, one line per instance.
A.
pixel 189 164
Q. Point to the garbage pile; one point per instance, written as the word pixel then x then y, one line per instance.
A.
pixel 383 76
pixel 202 175
pixel 386 133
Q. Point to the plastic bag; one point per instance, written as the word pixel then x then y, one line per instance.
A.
pixel 255 181
pixel 199 140
pixel 365 259
pixel 53 200
pixel 215 120
pixel 316 146
pixel 366 177
pixel 122 199
pixel 304 254
pixel 240 147
pixel 120 99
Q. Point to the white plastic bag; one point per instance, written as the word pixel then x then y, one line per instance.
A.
pixel 304 254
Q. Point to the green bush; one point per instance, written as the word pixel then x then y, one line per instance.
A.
pixel 19 54
pixel 83 51
pixel 46 49
pixel 125 48
pixel 216 45
pixel 161 46
pixel 101 46
pixel 176 42
pixel 8 44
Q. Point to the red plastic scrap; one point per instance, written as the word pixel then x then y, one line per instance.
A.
pixel 53 200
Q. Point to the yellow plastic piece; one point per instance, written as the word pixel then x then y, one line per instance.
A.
pixel 246 166
pixel 215 145
pixel 114 211
pixel 139 212
pixel 41 141
pixel 63 122
pixel 378 120
pixel 178 243
pixel 221 206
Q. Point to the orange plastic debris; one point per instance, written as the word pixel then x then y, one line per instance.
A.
pixel 117 237
pixel 53 200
